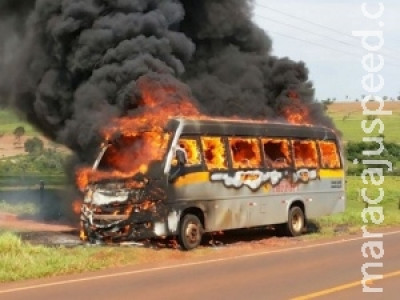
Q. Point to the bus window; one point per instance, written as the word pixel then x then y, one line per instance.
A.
pixel 277 154
pixel 245 153
pixel 305 154
pixel 192 150
pixel 329 155
pixel 214 153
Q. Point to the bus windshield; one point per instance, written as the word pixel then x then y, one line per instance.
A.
pixel 132 154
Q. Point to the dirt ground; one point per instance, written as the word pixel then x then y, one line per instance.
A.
pixel 345 107
pixel 55 234
pixel 37 230
pixel 9 146
pixel 14 222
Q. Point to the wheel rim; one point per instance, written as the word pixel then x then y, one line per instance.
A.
pixel 192 233
pixel 297 222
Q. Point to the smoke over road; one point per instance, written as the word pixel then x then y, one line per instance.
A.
pixel 79 62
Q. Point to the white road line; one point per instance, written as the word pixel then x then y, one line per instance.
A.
pixel 92 278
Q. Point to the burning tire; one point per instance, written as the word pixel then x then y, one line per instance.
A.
pixel 190 232
pixel 295 225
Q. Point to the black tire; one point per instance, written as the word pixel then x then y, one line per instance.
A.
pixel 190 232
pixel 296 223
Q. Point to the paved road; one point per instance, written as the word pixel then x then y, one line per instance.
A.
pixel 325 271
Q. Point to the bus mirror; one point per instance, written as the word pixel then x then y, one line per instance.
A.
pixel 181 156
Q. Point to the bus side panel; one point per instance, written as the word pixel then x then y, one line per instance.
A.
pixel 224 208
pixel 239 207
pixel 229 207
pixel 325 196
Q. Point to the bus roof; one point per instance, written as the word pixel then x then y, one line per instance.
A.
pixel 215 127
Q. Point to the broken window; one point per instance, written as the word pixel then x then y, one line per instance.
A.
pixel 329 155
pixel 192 150
pixel 214 153
pixel 126 155
pixel 245 153
pixel 305 154
pixel 277 154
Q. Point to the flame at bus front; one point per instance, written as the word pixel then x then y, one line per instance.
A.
pixel 138 139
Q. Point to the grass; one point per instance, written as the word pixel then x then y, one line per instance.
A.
pixel 30 180
pixel 348 117
pixel 20 260
pixel 9 120
pixel 352 131
pixel 351 220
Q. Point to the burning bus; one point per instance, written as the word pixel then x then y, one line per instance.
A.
pixel 209 175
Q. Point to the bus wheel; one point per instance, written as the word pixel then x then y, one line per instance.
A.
pixel 296 221
pixel 190 232
pixel 295 225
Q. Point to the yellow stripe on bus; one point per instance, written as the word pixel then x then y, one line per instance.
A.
pixel 192 178
pixel 328 173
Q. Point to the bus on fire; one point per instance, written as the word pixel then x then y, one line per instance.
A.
pixel 216 175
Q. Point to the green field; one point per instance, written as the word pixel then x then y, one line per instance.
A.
pixel 352 131
pixel 350 220
pixel 348 117
pixel 10 120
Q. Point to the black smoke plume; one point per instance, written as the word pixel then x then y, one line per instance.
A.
pixel 80 60
pixel 13 15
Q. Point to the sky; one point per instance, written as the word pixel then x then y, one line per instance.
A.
pixel 320 34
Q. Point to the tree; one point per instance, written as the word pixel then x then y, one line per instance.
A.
pixel 385 98
pixel 34 145
pixel 326 103
pixel 18 133
pixel 398 98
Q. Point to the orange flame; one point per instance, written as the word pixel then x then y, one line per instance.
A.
pixel 329 155
pixel 214 153
pixel 245 153
pixel 296 112
pixel 140 135
pixel 193 153
pixel 277 154
pixel 305 153
pixel 76 206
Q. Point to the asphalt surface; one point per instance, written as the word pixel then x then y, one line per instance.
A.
pixel 329 270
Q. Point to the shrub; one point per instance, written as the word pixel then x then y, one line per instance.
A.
pixel 34 146
pixel 19 132
pixel 355 150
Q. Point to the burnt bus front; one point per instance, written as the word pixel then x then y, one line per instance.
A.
pixel 128 207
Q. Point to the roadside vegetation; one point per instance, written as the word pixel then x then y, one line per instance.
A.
pixel 351 221
pixel 20 260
